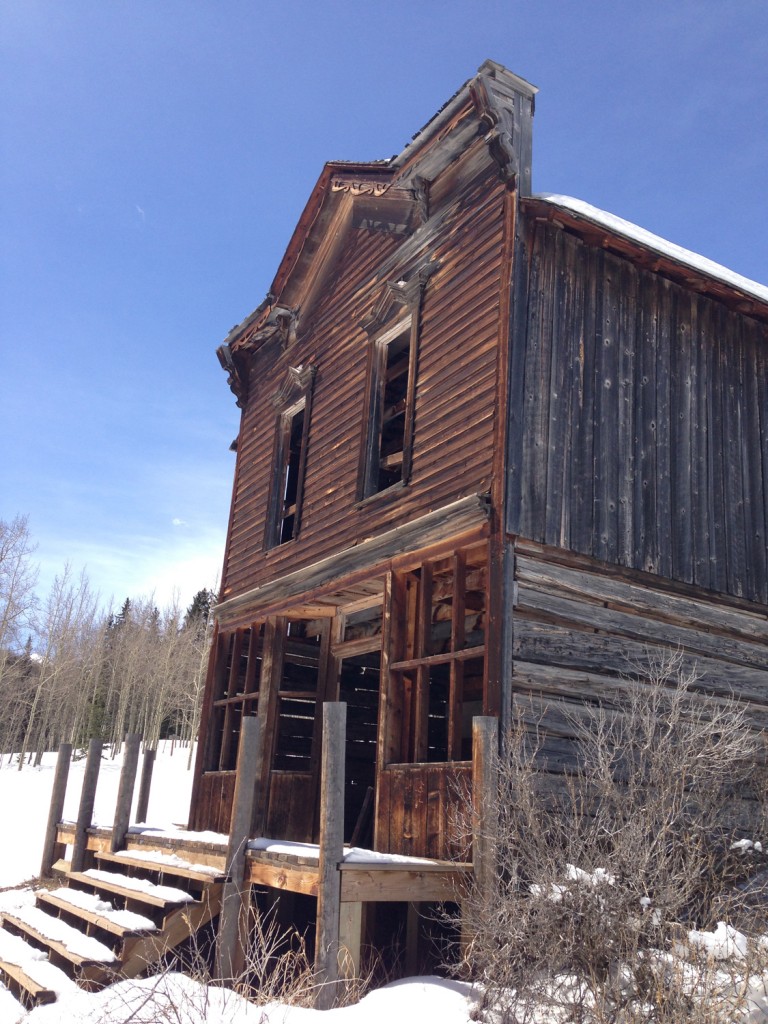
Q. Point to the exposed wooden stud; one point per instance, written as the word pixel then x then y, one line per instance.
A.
pixel 52 849
pixel 87 798
pixel 125 791
pixel 331 854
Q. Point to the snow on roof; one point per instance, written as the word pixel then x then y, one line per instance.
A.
pixel 654 242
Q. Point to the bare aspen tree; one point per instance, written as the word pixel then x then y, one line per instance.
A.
pixel 18 578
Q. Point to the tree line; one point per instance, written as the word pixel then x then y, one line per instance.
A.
pixel 69 670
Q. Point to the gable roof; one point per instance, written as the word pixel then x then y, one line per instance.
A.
pixel 639 244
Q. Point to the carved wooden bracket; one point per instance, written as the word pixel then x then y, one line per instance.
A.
pixel 403 293
pixel 237 385
pixel 298 381
pixel 499 125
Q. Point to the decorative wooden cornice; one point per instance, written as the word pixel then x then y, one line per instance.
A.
pixel 237 385
pixel 298 381
pixel 402 293
pixel 359 188
pixel 498 121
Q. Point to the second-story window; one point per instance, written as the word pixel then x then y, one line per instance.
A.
pixel 290 473
pixel 390 425
pixel 284 518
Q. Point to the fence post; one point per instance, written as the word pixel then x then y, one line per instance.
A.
pixel 85 811
pixel 331 853
pixel 145 785
pixel 230 940
pixel 125 792
pixel 51 849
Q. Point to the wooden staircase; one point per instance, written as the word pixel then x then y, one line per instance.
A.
pixel 113 921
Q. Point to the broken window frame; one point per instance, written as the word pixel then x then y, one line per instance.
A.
pixel 382 347
pixel 236 688
pixel 411 661
pixel 282 511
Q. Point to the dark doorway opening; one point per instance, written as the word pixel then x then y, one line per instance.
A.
pixel 359 681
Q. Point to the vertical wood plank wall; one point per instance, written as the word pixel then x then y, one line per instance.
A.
pixel 418 810
pixel 643 439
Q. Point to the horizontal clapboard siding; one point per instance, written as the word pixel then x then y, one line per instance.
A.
pixel 643 437
pixel 455 396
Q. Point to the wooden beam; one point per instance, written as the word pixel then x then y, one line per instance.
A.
pixel 125 791
pixel 350 939
pixel 52 850
pixel 85 811
pixel 398 884
pixel 232 921
pixel 331 853
pixel 443 523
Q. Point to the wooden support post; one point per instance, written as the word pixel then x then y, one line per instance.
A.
pixel 233 920
pixel 145 785
pixel 85 811
pixel 412 930
pixel 51 849
pixel 485 752
pixel 331 854
pixel 125 792
pixel 350 939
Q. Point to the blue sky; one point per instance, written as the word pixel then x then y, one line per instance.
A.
pixel 156 154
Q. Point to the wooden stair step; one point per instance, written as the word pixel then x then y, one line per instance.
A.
pixel 177 927
pixel 138 896
pixel 91 917
pixel 24 988
pixel 161 868
pixel 88 968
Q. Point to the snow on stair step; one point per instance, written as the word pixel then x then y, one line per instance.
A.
pixel 159 861
pixel 124 919
pixel 53 928
pixel 34 962
pixel 140 885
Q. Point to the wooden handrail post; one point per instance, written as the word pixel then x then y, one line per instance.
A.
pixel 485 763
pixel 231 939
pixel 125 792
pixel 51 849
pixel 147 766
pixel 331 853
pixel 87 797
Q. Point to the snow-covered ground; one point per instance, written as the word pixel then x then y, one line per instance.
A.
pixel 173 998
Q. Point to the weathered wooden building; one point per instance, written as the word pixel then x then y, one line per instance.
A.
pixel 496 449
pixel 498 452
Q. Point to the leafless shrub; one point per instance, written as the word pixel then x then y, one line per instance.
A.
pixel 601 872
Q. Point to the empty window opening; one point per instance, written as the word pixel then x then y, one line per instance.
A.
pixel 390 427
pixel 236 693
pixel 394 395
pixel 291 466
pixel 437 658
pixel 297 699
